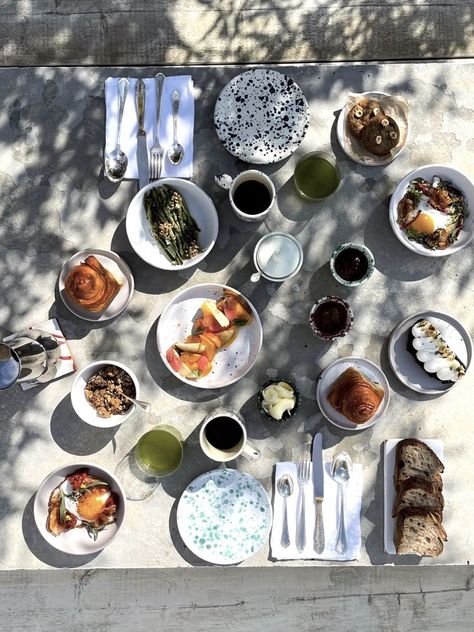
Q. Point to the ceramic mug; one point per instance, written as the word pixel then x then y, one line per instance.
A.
pixel 246 190
pixel 223 436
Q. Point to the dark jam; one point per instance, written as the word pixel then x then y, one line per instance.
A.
pixel 330 318
pixel 351 264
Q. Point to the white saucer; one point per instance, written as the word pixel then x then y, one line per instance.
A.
pixel 114 264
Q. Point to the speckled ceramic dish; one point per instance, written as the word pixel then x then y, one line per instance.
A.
pixel 261 116
pixel 365 253
pixel 286 415
pixel 224 516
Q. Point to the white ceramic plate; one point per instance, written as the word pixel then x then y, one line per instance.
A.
pixel 404 363
pixel 230 364
pixel 224 516
pixel 460 181
pixel 354 149
pixel 261 116
pixel 389 487
pixel 87 412
pixel 76 541
pixel 330 375
pixel 114 264
pixel 200 206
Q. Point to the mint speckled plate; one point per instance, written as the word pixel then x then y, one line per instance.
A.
pixel 224 516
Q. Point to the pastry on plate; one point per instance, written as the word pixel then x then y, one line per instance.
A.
pixel 355 396
pixel 91 286
pixel 362 112
pixel 380 135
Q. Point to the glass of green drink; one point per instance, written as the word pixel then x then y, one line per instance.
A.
pixel 316 176
pixel 159 452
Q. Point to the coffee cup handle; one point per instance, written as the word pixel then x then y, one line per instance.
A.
pixel 223 180
pixel 251 453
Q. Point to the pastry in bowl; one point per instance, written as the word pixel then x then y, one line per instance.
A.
pixel 91 286
pixel 355 396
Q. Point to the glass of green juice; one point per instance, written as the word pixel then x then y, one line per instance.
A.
pixel 316 176
pixel 159 452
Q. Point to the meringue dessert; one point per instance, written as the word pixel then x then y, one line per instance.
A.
pixel 434 354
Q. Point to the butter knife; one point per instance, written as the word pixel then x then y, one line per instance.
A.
pixel 318 489
pixel 142 151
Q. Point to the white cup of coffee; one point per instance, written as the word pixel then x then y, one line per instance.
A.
pixel 252 194
pixel 223 436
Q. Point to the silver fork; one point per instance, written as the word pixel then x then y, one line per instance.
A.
pixel 156 154
pixel 303 479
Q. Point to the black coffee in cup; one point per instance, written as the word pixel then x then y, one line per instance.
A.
pixel 223 433
pixel 252 197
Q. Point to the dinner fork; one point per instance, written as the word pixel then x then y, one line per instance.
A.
pixel 303 479
pixel 156 154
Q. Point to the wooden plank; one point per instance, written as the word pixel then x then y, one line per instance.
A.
pixel 62 32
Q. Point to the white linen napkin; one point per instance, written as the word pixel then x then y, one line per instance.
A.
pixel 128 135
pixel 353 498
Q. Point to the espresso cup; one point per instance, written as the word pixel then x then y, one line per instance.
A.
pixel 251 194
pixel 223 436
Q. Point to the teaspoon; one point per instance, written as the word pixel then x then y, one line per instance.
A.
pixel 285 489
pixel 176 151
pixel 341 468
pixel 145 406
pixel 116 161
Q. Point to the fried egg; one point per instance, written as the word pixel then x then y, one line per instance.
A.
pixel 429 219
pixel 89 506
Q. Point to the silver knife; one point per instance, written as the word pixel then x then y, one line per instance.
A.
pixel 318 489
pixel 142 151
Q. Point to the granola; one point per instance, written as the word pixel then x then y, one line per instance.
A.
pixel 105 388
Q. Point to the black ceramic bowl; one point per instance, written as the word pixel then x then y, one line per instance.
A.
pixel 287 415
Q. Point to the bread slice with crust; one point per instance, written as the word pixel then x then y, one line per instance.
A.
pixel 415 459
pixel 418 492
pixel 420 532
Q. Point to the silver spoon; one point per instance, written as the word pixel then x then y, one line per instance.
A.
pixel 116 161
pixel 176 151
pixel 145 406
pixel 285 488
pixel 341 468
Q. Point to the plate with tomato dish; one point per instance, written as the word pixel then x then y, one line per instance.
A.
pixel 209 336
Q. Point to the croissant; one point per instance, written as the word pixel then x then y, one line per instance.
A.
pixel 355 396
pixel 91 286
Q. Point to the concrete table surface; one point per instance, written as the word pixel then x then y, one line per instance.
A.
pixel 55 201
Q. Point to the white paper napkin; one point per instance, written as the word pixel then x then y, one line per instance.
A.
pixel 353 498
pixel 128 135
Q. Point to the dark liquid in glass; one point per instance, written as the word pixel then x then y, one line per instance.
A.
pixel 252 197
pixel 351 264
pixel 330 318
pixel 224 433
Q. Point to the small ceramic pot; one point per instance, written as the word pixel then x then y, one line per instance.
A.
pixel 365 252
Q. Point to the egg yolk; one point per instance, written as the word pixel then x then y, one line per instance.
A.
pixel 91 505
pixel 424 223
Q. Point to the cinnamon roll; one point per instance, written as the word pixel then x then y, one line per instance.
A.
pixel 355 396
pixel 91 286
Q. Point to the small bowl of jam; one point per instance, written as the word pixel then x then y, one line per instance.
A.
pixel 352 264
pixel 331 317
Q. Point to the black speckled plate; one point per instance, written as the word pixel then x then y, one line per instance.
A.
pixel 261 116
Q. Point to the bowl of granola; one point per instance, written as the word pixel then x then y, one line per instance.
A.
pixel 99 393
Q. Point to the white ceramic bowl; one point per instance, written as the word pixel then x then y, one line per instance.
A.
pixel 460 181
pixel 200 206
pixel 87 412
pixel 77 541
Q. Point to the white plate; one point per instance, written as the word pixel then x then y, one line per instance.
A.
pixel 200 206
pixel 76 541
pixel 224 516
pixel 116 266
pixel 330 375
pixel 460 181
pixel 230 364
pixel 404 363
pixel 354 149
pixel 261 116
pixel 389 487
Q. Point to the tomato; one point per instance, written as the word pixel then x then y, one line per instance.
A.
pixel 174 359
pixel 204 366
pixel 77 478
pixel 235 311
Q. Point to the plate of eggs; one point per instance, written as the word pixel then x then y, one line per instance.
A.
pixel 430 210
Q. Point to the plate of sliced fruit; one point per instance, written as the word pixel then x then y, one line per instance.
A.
pixel 209 335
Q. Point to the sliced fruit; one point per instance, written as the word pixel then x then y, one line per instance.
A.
pixel 190 347
pixel 209 308
pixel 198 326
pixel 235 311
pixel 214 338
pixel 190 358
pixel 227 336
pixel 211 348
pixel 210 324
pixel 178 365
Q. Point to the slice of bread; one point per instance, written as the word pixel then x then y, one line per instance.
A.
pixel 415 459
pixel 419 531
pixel 418 492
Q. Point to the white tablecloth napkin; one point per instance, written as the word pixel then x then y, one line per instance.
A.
pixel 128 135
pixel 353 499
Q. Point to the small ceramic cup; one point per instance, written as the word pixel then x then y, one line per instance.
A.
pixel 223 436
pixel 331 317
pixel 287 415
pixel 366 270
pixel 277 257
pixel 232 184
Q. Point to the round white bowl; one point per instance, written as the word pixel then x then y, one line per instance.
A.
pixel 87 412
pixel 460 181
